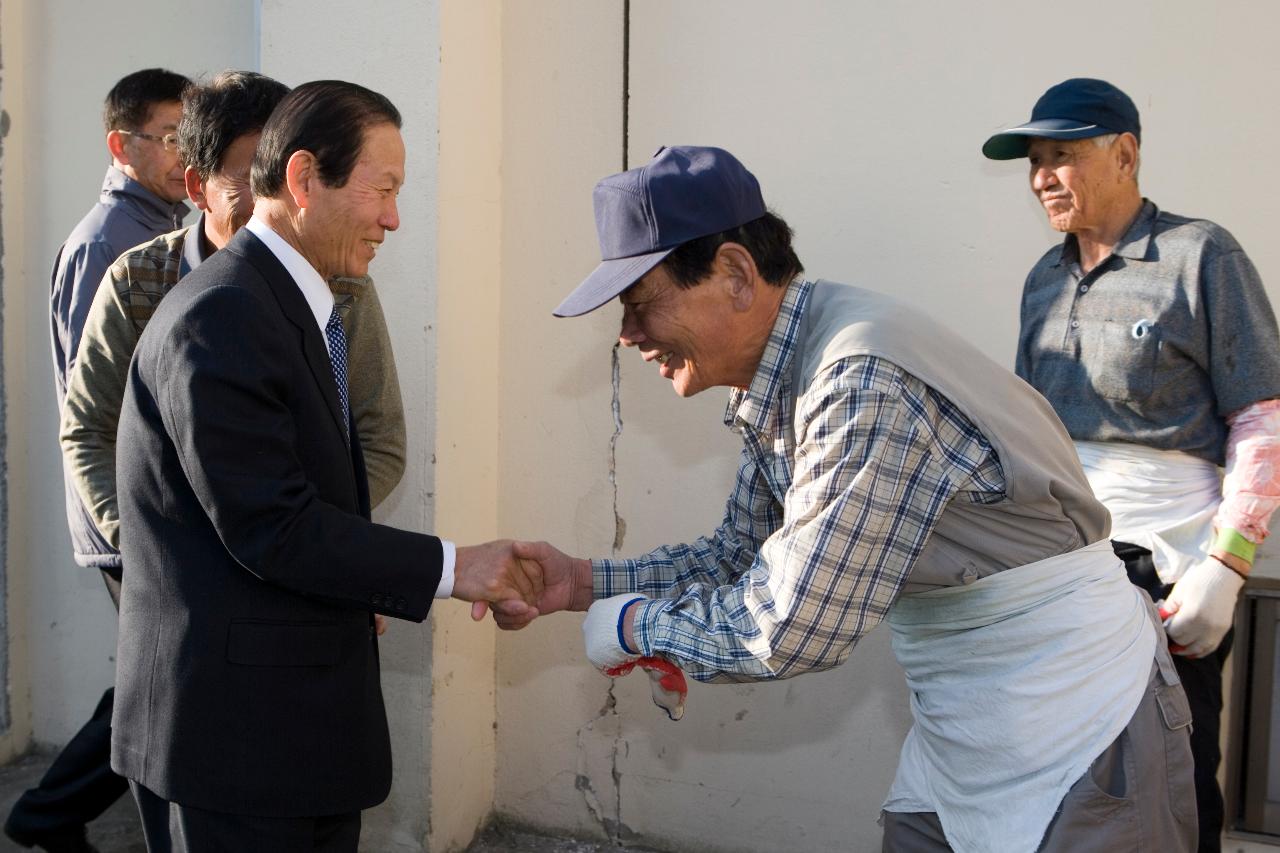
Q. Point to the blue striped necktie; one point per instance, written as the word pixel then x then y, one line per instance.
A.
pixel 337 338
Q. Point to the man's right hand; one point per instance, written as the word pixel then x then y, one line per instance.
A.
pixel 492 572
pixel 566 585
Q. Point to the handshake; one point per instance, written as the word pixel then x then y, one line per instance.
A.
pixel 521 581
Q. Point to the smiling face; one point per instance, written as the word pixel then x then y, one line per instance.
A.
pixel 1075 181
pixel 688 332
pixel 148 162
pixel 341 228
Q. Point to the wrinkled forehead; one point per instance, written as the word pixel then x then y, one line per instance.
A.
pixel 647 287
pixel 1081 151
pixel 1043 143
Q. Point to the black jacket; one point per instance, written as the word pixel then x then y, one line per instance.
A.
pixel 247 670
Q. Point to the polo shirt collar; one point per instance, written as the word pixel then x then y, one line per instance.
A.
pixel 1134 245
pixel 1137 240
pixel 755 407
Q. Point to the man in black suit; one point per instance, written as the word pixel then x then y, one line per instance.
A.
pixel 247 694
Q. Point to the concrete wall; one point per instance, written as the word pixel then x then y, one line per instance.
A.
pixel 863 122
pixel 562 128
pixel 60 58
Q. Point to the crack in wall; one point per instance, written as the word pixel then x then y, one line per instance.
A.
pixel 619 524
pixel 615 829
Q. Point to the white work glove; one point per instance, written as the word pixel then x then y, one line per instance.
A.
pixel 1200 608
pixel 602 631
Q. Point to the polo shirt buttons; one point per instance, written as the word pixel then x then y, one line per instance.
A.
pixel 1075 324
pixel 1084 288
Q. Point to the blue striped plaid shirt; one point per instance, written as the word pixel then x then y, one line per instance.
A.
pixel 824 522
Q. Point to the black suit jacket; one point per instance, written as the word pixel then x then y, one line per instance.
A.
pixel 247 668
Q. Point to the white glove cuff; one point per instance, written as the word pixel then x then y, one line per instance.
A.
pixel 602 631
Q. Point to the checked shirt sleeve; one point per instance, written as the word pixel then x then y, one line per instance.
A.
pixel 877 458
pixel 709 561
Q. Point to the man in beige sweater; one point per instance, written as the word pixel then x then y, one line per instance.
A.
pixel 222 122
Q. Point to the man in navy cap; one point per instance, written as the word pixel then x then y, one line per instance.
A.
pixel 890 472
pixel 1152 337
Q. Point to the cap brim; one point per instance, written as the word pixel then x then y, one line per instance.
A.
pixel 607 281
pixel 1013 143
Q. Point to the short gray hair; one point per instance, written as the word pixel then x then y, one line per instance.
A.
pixel 1106 140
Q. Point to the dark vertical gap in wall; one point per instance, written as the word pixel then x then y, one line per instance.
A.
pixel 5 717
pixel 626 79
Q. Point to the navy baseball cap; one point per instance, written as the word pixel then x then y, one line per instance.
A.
pixel 1074 109
pixel 643 214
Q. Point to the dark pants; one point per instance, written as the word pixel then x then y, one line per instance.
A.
pixel 1202 680
pixel 79 785
pixel 186 829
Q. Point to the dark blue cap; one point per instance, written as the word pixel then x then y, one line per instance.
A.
pixel 643 214
pixel 1074 109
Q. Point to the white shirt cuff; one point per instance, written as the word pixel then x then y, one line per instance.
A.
pixel 445 589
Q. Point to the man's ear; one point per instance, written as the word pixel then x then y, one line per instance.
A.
pixel 301 177
pixel 1126 152
pixel 195 187
pixel 738 272
pixel 116 140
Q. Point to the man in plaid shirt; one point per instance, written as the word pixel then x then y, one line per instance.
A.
pixel 890 472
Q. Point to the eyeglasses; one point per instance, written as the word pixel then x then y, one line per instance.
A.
pixel 169 140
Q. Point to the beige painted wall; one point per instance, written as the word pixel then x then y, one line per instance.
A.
pixel 468 288
pixel 562 128
pixel 864 123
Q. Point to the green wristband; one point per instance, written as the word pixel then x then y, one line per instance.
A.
pixel 1231 541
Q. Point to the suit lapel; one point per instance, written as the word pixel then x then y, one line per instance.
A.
pixel 295 308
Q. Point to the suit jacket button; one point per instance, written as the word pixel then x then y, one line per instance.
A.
pixel 400 604
pixel 376 600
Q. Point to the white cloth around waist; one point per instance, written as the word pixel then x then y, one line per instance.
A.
pixel 1018 682
pixel 1163 500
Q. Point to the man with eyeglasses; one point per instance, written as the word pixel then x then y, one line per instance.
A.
pixel 141 199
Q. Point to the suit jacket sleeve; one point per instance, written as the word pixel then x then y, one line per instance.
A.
pixel 231 414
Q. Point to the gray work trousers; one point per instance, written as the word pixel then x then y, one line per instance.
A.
pixel 1138 795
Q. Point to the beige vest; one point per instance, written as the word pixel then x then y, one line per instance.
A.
pixel 1049 510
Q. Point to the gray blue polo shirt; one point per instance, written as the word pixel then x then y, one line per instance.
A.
pixel 1158 343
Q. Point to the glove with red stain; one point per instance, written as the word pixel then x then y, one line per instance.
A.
pixel 666 681
pixel 605 636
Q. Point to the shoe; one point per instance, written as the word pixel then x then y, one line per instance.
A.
pixel 70 839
